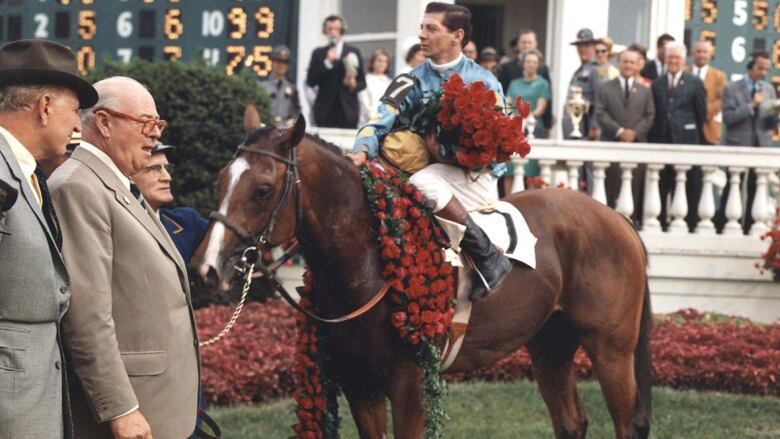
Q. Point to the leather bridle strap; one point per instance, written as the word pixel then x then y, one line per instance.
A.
pixel 235 228
pixel 286 296
pixel 212 425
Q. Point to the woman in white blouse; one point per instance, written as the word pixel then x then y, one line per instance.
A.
pixel 377 82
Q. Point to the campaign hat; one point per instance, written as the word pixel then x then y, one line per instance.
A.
pixel 280 53
pixel 585 36
pixel 43 62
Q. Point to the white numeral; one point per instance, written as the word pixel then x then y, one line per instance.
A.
pixel 124 24
pixel 211 56
pixel 740 12
pixel 738 49
pixel 408 82
pixel 213 23
pixel 125 54
pixel 43 21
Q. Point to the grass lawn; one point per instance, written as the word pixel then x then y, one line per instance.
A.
pixel 516 410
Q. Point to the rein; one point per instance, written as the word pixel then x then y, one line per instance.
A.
pixel 250 261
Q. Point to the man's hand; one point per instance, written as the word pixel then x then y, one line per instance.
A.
pixel 627 135
pixel 758 98
pixel 331 55
pixel 131 426
pixel 593 134
pixel 350 82
pixel 358 158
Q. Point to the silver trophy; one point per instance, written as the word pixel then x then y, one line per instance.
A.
pixel 576 107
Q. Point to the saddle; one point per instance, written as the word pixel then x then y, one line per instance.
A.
pixel 507 230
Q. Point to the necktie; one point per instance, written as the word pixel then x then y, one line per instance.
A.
pixel 755 90
pixel 671 85
pixel 137 194
pixel 628 89
pixel 48 208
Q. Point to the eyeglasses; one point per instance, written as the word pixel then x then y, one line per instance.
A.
pixel 147 124
pixel 157 169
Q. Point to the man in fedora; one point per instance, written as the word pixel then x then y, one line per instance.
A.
pixel 587 77
pixel 40 95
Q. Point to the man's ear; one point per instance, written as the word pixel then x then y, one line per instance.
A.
pixel 42 108
pixel 103 125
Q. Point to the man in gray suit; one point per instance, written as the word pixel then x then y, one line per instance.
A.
pixel 130 333
pixel 625 113
pixel 40 94
pixel 748 121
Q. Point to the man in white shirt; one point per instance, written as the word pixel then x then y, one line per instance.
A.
pixel 130 332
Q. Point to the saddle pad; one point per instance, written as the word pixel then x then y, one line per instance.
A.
pixel 507 229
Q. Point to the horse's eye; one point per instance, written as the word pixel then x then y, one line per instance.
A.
pixel 263 192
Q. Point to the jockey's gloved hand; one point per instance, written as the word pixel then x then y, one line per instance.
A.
pixel 358 158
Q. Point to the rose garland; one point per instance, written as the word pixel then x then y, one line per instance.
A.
pixel 422 282
pixel 470 124
pixel 315 394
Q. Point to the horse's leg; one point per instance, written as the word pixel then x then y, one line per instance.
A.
pixel 613 365
pixel 370 415
pixel 552 352
pixel 406 400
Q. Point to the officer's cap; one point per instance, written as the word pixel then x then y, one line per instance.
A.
pixel 281 53
pixel 585 36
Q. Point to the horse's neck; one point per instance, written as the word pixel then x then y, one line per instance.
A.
pixel 337 236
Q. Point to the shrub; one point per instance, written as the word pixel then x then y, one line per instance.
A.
pixel 691 350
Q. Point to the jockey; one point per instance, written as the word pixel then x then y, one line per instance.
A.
pixel 445 29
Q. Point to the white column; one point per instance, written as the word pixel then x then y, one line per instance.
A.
pixel 760 210
pixel 625 201
pixel 574 175
pixel 407 25
pixel 569 16
pixel 680 202
pixel 666 16
pixel 652 207
pixel 518 182
pixel 706 204
pixel 599 175
pixel 734 204
pixel 546 171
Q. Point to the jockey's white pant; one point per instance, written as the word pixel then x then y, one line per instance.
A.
pixel 440 182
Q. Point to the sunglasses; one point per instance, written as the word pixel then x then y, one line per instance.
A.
pixel 147 125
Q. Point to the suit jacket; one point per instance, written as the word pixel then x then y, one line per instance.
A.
pixel 742 128
pixel 614 111
pixel 332 91
pixel 714 82
pixel 679 117
pixel 650 70
pixel 186 228
pixel 130 333
pixel 34 295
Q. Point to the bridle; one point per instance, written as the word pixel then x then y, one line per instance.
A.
pixel 250 259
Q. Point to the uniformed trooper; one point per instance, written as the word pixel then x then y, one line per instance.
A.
pixel 589 76
pixel 184 225
pixel 285 105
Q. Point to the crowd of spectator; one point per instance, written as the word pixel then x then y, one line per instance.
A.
pixel 631 98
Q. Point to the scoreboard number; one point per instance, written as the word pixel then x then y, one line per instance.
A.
pixel 265 21
pixel 172 53
pixel 42 22
pixel 213 23
pixel 124 24
pixel 85 59
pixel 87 26
pixel 237 18
pixel 238 53
pixel 172 24
pixel 740 12
pixel 709 11
pixel 760 17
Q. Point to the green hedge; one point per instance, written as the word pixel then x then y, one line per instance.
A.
pixel 204 109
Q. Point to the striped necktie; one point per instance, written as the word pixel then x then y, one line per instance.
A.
pixel 137 194
pixel 48 208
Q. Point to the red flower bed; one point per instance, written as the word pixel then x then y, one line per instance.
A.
pixel 691 350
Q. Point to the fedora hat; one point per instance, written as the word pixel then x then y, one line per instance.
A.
pixel 28 62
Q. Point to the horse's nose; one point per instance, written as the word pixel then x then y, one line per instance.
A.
pixel 209 275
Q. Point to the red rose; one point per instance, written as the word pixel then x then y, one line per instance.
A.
pixel 376 173
pixel 414 338
pixel 398 213
pixel 398 319
pixel 379 188
pixel 415 212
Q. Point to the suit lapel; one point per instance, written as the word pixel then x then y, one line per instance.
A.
pixel 129 203
pixel 25 189
pixel 744 96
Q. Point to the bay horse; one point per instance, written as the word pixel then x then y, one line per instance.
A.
pixel 589 288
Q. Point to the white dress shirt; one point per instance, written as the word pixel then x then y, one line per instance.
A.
pixel 26 162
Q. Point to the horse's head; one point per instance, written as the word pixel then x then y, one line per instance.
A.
pixel 258 192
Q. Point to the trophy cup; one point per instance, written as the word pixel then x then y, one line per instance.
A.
pixel 576 107
pixel 530 126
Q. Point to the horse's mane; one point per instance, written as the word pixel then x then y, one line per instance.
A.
pixel 319 141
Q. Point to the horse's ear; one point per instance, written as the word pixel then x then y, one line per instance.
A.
pixel 297 131
pixel 252 120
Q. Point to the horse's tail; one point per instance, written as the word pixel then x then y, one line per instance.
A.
pixel 643 355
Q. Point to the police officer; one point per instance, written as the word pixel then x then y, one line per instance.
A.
pixel 589 76
pixel 285 105
pixel 184 225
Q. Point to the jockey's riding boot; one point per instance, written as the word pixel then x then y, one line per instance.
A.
pixel 491 265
